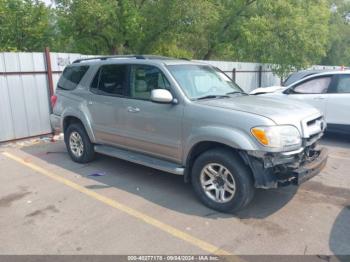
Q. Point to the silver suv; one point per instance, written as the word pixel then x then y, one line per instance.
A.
pixel 189 119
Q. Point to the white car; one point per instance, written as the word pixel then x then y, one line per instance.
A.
pixel 327 91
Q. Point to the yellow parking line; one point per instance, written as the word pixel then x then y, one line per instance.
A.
pixel 121 207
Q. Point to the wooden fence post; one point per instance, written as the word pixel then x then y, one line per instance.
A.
pixel 234 75
pixel 49 71
pixel 50 83
pixel 260 76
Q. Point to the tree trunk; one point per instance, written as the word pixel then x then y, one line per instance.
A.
pixel 114 50
pixel 208 55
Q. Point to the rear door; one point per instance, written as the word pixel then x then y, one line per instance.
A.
pixel 338 104
pixel 106 104
pixel 312 91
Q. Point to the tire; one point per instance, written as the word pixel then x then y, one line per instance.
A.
pixel 238 180
pixel 76 132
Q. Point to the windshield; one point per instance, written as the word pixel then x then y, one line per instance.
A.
pixel 201 81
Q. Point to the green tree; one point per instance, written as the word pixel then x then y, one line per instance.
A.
pixel 290 34
pixel 338 52
pixel 98 26
pixel 175 28
pixel 130 26
pixel 287 34
pixel 25 25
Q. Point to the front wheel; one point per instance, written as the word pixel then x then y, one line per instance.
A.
pixel 222 181
pixel 78 144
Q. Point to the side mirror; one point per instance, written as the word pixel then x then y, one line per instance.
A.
pixel 161 96
pixel 289 91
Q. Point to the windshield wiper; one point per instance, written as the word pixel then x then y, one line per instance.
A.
pixel 236 92
pixel 211 96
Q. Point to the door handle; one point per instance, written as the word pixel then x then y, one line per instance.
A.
pixel 319 98
pixel 133 109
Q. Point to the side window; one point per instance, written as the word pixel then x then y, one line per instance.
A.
pixel 94 83
pixel 71 77
pixel 144 79
pixel 343 85
pixel 313 86
pixel 111 80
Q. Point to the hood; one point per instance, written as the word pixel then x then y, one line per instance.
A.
pixel 280 110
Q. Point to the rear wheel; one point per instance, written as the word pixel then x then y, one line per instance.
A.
pixel 222 181
pixel 78 144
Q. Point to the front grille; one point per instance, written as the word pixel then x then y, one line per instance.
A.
pixel 313 129
pixel 313 121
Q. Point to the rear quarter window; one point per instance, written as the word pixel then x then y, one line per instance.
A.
pixel 71 77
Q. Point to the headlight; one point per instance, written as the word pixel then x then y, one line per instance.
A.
pixel 283 137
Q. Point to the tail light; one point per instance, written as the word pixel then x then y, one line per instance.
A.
pixel 53 101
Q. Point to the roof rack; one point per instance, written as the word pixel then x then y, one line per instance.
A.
pixel 123 56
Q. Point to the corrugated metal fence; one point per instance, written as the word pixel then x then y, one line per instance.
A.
pixel 248 75
pixel 25 88
pixel 24 92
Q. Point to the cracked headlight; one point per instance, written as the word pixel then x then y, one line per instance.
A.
pixel 284 137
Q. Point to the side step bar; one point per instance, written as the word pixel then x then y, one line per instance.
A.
pixel 141 159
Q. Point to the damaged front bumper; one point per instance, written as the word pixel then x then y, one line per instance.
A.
pixel 272 170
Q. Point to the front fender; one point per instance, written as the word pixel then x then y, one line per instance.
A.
pixel 231 137
pixel 73 112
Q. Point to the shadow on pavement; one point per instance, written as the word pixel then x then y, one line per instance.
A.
pixel 339 242
pixel 160 188
pixel 337 140
pixel 267 202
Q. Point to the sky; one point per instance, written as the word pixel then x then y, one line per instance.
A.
pixel 47 2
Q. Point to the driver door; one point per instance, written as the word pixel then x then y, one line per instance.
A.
pixel 152 128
